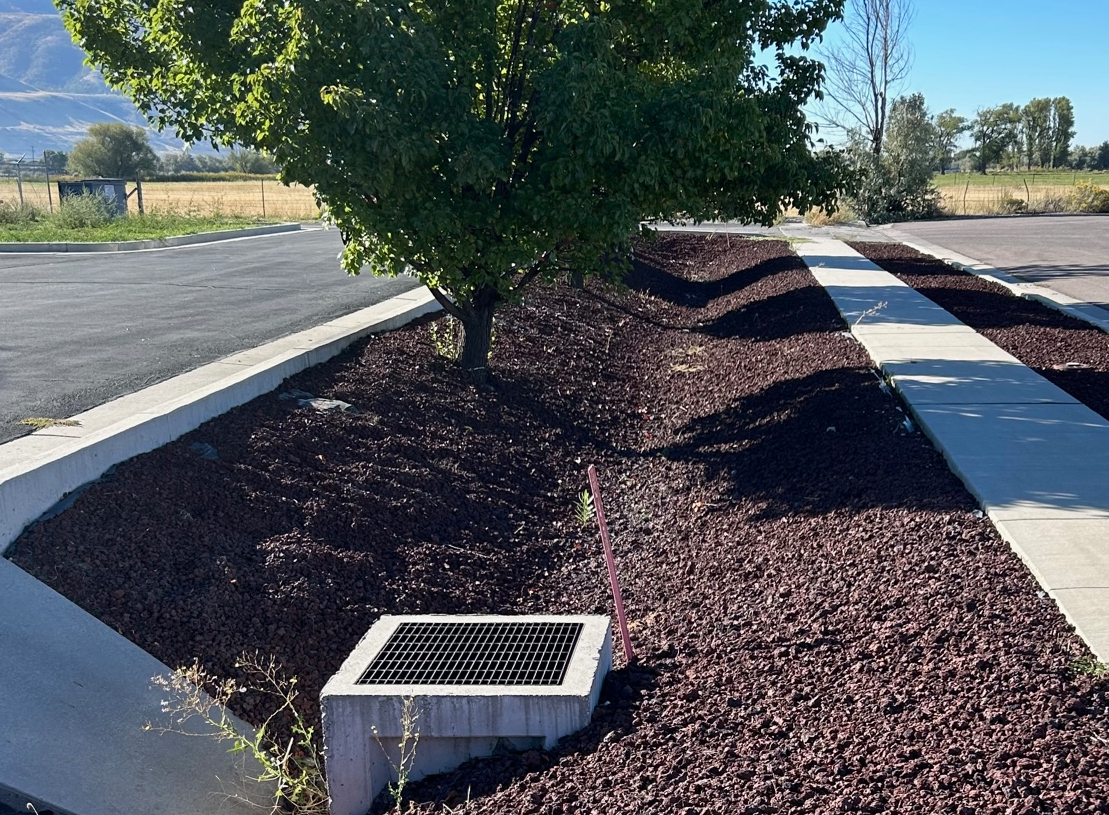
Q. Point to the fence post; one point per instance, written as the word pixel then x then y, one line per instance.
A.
pixel 19 183
pixel 138 191
pixel 263 198
pixel 49 195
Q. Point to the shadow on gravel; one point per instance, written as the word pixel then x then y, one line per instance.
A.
pixel 646 277
pixel 986 310
pixel 613 720
pixel 776 317
pixel 825 442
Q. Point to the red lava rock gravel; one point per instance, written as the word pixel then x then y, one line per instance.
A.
pixel 824 624
pixel 1042 338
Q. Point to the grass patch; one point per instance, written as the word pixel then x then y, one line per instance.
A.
pixel 32 225
pixel 43 422
pixel 1089 666
pixel 1037 178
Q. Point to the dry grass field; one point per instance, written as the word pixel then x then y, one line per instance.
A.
pixel 989 200
pixel 977 194
pixel 963 194
pixel 255 199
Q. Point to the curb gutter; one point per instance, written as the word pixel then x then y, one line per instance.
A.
pixel 152 243
pixel 1071 306
pixel 38 470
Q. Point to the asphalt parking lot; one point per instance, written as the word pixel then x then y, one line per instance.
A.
pixel 1068 253
pixel 82 329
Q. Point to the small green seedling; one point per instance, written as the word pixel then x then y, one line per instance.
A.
pixel 583 508
pixel 1089 666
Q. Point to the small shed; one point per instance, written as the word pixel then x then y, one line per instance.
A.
pixel 112 190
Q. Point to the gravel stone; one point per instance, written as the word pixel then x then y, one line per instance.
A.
pixel 823 621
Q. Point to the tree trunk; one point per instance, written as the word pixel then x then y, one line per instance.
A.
pixel 477 327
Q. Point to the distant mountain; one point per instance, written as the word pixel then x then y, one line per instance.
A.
pixel 48 96
pixel 36 49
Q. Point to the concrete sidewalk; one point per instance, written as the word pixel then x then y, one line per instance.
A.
pixel 1035 458
pixel 74 694
pixel 74 699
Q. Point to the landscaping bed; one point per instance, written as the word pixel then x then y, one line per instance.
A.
pixel 1070 353
pixel 824 622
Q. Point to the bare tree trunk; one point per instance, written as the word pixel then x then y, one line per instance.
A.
pixel 477 342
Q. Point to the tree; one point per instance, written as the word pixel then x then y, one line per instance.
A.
pixel 482 145
pixel 898 185
pixel 868 68
pixel 1060 130
pixel 1101 162
pixel 1082 158
pixel 55 160
pixel 995 131
pixel 948 128
pixel 1035 123
pixel 250 161
pixel 113 150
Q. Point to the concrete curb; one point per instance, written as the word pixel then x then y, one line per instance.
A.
pixel 153 243
pixel 38 470
pixel 1070 306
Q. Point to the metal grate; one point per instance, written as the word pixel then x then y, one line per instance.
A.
pixel 523 653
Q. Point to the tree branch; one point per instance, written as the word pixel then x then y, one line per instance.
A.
pixel 448 305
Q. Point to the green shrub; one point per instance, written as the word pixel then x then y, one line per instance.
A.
pixel 1011 206
pixel 897 185
pixel 14 214
pixel 83 212
pixel 884 195
pixel 1087 197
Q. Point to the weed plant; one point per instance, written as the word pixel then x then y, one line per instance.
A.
pixel 409 741
pixel 14 214
pixel 294 768
pixel 83 212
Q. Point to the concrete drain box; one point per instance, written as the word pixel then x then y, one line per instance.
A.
pixel 480 684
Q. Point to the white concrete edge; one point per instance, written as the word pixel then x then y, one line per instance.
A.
pixel 38 470
pixel 152 243
pixel 1038 292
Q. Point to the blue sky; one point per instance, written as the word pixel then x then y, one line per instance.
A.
pixel 975 54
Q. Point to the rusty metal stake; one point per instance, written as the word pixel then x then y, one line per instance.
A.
pixel 621 619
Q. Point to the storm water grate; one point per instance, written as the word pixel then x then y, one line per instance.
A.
pixel 499 653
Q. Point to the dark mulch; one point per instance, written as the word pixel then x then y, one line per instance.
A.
pixel 824 623
pixel 1042 338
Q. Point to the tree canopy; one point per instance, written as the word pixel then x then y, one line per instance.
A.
pixel 113 150
pixel 480 144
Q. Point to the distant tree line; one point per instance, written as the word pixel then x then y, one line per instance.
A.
pixel 896 181
pixel 1036 136
pixel 113 150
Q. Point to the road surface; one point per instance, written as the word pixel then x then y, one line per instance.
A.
pixel 77 330
pixel 1068 253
